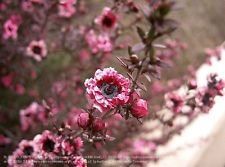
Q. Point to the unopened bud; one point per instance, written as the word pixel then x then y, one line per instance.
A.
pixel 98 125
pixel 134 59
pixel 83 120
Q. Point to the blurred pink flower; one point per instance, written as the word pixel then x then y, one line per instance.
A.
pixel 99 42
pixel 174 101
pixel 11 26
pixel 79 161
pixel 24 155
pixel 37 50
pixel 107 20
pixel 31 115
pixel 107 89
pixel 66 8
pixel 7 80
pixel 20 90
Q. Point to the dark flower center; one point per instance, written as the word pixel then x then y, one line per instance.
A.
pixel 28 150
pixel 206 99
pixel 48 145
pixel 108 21
pixel 10 28
pixel 109 90
pixel 176 102
pixel 36 50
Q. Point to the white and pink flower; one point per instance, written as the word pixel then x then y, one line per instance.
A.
pixel 37 50
pixel 108 89
pixel 48 145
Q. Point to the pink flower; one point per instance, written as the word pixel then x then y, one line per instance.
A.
pixel 83 120
pixel 174 101
pixel 139 108
pixel 98 43
pixel 24 155
pixel 20 90
pixel 27 6
pixel 107 20
pixel 98 125
pixel 31 115
pixel 11 26
pixel 66 8
pixel 107 89
pixel 72 146
pixel 48 145
pixel 143 146
pixel 79 161
pixel 37 50
pixel 7 80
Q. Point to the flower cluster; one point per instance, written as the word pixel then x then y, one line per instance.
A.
pixel 75 44
pixel 47 146
pixel 99 43
pixel 196 99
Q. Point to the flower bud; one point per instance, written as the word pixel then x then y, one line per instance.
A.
pixel 139 108
pixel 98 125
pixel 134 58
pixel 83 120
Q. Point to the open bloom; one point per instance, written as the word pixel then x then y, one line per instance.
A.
pixel 24 155
pixel 48 145
pixel 107 20
pixel 37 50
pixel 66 8
pixel 11 26
pixel 108 89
